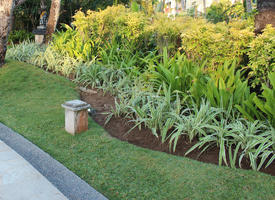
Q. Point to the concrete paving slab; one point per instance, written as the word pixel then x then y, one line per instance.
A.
pixel 21 181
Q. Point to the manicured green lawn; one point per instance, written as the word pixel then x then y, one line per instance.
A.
pixel 30 103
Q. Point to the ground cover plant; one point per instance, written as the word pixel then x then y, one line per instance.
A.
pixel 169 82
pixel 117 169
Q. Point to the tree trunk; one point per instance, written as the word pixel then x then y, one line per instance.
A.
pixel 6 8
pixel 53 18
pixel 204 6
pixel 266 15
pixel 248 6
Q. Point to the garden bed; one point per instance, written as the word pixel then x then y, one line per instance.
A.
pixel 117 169
pixel 119 128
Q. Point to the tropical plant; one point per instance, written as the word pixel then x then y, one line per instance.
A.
pixel 69 43
pixel 52 60
pixel 194 122
pixel 266 102
pixel 225 89
pixel 177 73
pixel 253 140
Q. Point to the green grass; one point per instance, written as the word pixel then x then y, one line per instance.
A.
pixel 30 103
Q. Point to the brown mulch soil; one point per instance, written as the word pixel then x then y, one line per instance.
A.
pixel 118 127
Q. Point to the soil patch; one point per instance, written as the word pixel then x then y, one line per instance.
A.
pixel 119 127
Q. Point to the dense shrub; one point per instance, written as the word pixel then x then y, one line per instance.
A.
pixel 224 11
pixel 18 36
pixel 262 56
pixel 197 38
pixel 112 23
pixel 217 43
pixel 165 33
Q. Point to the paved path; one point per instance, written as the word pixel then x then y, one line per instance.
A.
pixel 28 173
pixel 20 181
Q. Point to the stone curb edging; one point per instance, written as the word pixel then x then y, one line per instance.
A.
pixel 73 187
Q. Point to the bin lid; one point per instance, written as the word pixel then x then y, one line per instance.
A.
pixel 76 105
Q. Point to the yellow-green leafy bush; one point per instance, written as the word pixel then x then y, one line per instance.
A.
pixel 217 43
pixel 70 44
pixel 262 56
pixel 93 30
pixel 116 21
pixel 166 33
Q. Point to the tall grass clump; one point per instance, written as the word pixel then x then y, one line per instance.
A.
pixel 24 51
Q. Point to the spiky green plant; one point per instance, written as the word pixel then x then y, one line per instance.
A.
pixel 266 103
pixel 24 51
pixel 178 73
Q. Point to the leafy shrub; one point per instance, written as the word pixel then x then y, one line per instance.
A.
pixel 262 56
pixel 115 22
pixel 18 36
pixel 198 39
pixel 216 12
pixel 165 33
pixel 217 43
pixel 224 11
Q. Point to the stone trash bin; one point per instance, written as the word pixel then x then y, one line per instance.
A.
pixel 76 116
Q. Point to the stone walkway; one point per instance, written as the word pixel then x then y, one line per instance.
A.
pixel 20 181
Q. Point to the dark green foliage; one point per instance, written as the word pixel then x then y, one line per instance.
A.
pixel 225 11
pixel 27 15
pixel 20 36
pixel 215 13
